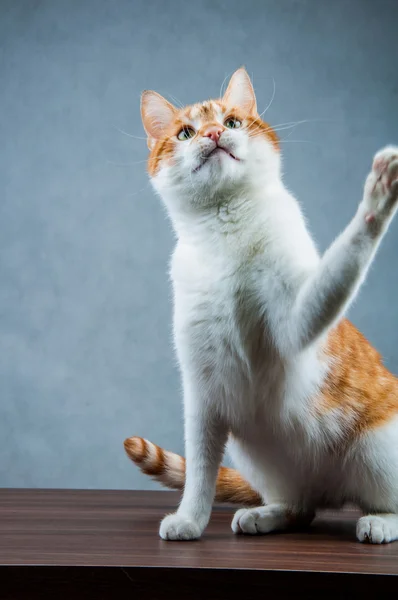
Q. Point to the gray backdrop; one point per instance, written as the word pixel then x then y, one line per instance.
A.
pixel 85 351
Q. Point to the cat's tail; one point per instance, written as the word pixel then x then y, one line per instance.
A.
pixel 169 469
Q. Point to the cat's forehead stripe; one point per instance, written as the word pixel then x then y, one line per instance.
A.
pixel 206 111
pixel 194 112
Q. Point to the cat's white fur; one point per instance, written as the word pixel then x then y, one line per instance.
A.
pixel 253 304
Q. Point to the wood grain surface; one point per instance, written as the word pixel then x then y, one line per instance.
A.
pixel 75 543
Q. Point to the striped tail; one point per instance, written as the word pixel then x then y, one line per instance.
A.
pixel 169 469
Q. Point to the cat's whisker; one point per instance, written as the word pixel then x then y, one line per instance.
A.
pixel 176 101
pixel 289 134
pixel 294 123
pixel 134 137
pixel 128 164
pixel 260 131
pixel 285 141
pixel 223 83
pixel 138 191
pixel 271 101
pixel 253 132
pixel 282 126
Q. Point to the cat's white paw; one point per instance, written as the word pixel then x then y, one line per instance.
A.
pixel 263 519
pixel 375 530
pixel 381 187
pixel 179 528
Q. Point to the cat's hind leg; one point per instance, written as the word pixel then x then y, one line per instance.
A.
pixel 269 518
pixel 375 479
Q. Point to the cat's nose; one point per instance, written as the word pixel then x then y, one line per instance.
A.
pixel 213 132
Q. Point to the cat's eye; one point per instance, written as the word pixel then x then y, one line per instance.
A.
pixel 185 133
pixel 232 123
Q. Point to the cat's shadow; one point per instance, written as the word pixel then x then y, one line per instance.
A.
pixel 342 528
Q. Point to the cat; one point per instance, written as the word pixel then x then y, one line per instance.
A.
pixel 268 361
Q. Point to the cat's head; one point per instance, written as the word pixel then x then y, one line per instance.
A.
pixel 199 152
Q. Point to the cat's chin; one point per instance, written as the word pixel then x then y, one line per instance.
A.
pixel 216 174
pixel 217 156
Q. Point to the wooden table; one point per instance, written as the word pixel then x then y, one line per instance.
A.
pixel 102 544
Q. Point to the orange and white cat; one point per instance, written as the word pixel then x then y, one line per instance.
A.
pixel 268 361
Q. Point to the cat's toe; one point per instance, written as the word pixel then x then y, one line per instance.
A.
pixel 235 525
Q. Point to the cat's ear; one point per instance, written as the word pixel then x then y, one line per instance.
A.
pixel 157 114
pixel 240 92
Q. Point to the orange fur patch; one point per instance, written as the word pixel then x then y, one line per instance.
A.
pixel 358 384
pixel 164 148
pixel 231 487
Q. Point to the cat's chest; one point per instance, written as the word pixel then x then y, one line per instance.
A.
pixel 220 326
pixel 216 299
pixel 225 313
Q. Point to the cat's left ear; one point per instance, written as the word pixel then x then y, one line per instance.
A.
pixel 157 115
pixel 240 92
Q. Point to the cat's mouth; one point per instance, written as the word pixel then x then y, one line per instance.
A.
pixel 216 150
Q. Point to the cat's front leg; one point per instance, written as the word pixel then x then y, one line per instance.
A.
pixel 205 441
pixel 327 292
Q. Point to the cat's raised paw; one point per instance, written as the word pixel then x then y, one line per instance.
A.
pixel 374 529
pixel 261 520
pixel 381 187
pixel 384 158
pixel 179 528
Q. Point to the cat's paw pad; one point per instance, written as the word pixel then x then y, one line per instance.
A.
pixel 381 187
pixel 258 520
pixel 375 530
pixel 179 528
pixel 384 158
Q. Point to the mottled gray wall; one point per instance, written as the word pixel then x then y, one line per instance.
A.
pixel 85 352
